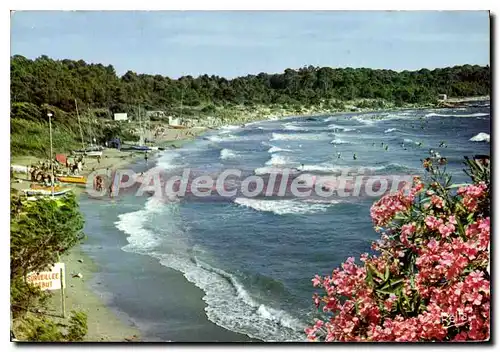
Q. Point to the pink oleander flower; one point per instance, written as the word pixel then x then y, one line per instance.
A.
pixel 407 230
pixel 436 255
pixel 446 230
pixel 437 201
pixel 432 222
pixel 316 281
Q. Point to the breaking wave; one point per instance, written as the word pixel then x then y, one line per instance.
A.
pixel 342 128
pixel 339 141
pixel 228 154
pixel 297 137
pixel 284 206
pixel 481 137
pixel 275 149
pixel 291 127
pixel 478 114
pixel 244 315
pixel 277 159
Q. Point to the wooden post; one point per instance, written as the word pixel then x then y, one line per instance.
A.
pixel 63 298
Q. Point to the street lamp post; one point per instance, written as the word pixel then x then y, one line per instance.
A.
pixel 51 155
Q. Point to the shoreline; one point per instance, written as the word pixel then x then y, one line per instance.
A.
pixel 106 323
pixel 260 114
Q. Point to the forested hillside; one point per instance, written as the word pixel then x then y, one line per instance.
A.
pixel 59 82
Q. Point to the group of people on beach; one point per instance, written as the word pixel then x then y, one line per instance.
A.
pixel 75 167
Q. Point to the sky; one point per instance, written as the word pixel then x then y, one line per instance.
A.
pixel 230 44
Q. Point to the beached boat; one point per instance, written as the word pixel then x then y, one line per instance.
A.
pixel 72 179
pixel 138 148
pixel 87 152
pixel 39 190
pixel 42 192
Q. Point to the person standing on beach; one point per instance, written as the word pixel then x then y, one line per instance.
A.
pixel 146 157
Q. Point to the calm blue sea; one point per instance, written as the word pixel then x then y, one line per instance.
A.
pixel 254 258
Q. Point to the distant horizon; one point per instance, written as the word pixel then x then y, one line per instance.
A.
pixel 233 44
pixel 248 74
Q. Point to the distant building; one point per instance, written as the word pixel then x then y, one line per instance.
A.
pixel 442 97
pixel 156 113
pixel 120 116
pixel 174 122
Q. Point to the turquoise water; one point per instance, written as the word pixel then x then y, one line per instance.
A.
pixel 254 259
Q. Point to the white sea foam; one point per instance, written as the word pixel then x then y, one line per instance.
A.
pixel 229 127
pixel 481 137
pixel 322 201
pixel 408 140
pixel 221 138
pixel 291 127
pixel 342 128
pixel 267 170
pixel 277 159
pixel 320 168
pixel 372 119
pixel 283 206
pixel 432 114
pixel 170 160
pixel 132 224
pixel 244 315
pixel 297 137
pixel 339 141
pixel 275 149
pixel 364 120
pixel 228 154
pixel 389 130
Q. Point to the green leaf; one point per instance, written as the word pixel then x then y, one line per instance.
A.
pixel 457 185
pixel 387 273
pixel 369 276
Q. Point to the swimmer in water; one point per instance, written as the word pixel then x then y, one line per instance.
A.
pixel 338 155
pixel 354 156
pixel 386 147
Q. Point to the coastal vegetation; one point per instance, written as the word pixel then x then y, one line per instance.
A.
pixel 44 84
pixel 40 232
pixel 429 279
pixel 59 82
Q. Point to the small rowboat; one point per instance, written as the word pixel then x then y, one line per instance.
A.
pixel 47 188
pixel 73 179
pixel 46 191
pixel 89 153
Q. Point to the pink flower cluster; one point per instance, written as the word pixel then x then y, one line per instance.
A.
pixel 430 283
pixel 384 210
pixel 472 194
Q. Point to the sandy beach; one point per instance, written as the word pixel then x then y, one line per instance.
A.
pixel 104 323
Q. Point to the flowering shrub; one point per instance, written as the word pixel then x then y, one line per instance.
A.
pixel 429 279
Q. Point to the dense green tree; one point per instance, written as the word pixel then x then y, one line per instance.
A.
pixel 59 82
